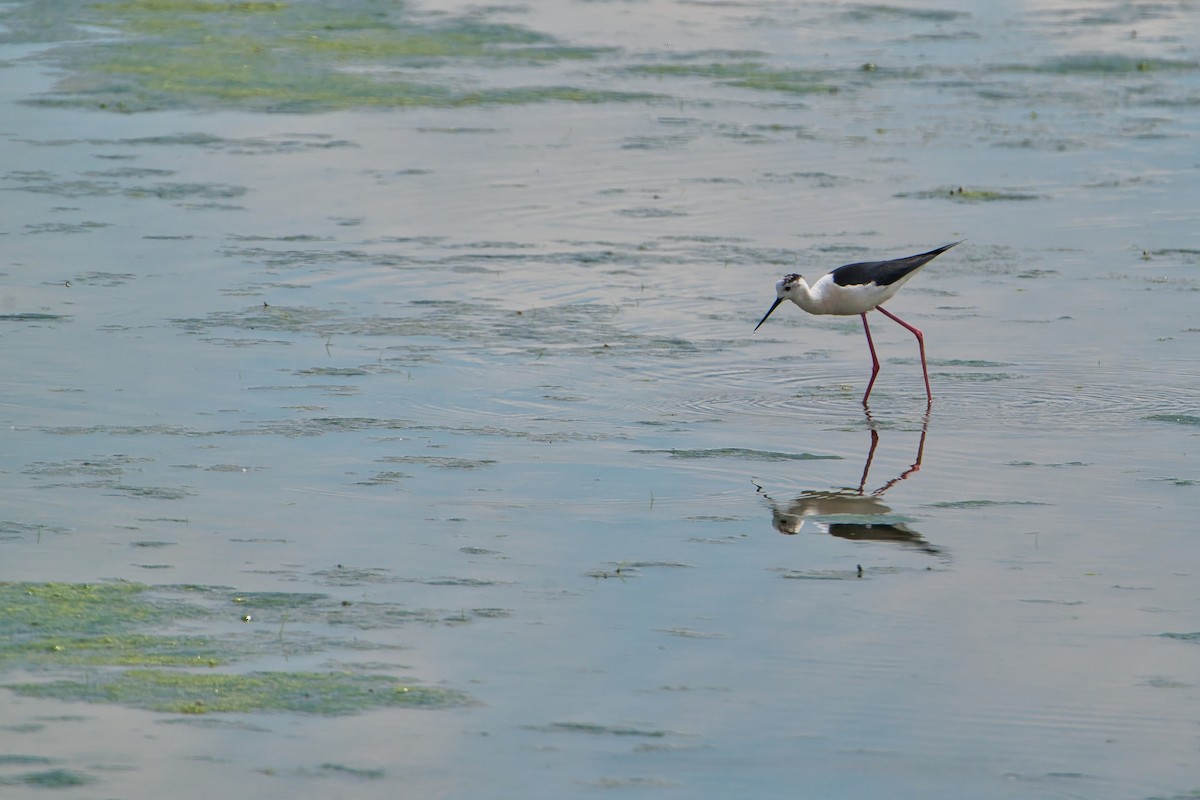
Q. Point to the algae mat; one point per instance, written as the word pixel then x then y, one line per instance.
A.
pixel 118 636
pixel 296 57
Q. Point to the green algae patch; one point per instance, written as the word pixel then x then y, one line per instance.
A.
pixel 747 75
pixel 474 41
pixel 181 692
pixel 121 638
pixel 130 649
pixel 352 772
pixel 293 57
pixel 48 779
pixel 32 317
pixel 46 610
pixel 191 6
pixel 599 730
pixel 1103 64
pixel 757 76
pixel 1178 419
pixel 960 194
pixel 889 13
pixel 85 625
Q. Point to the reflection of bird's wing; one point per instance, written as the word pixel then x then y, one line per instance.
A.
pixel 894 533
pixel 873 531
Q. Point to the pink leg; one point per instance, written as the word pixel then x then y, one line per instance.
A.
pixel 874 358
pixel 920 344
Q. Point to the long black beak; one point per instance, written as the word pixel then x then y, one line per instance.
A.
pixel 774 306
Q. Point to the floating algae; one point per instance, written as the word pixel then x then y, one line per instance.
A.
pixel 286 56
pixel 960 194
pixel 182 692
pixel 748 75
pixel 112 632
pixel 48 779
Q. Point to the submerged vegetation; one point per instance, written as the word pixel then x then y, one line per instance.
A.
pixel 961 194
pixel 296 56
pixel 114 640
pixel 181 692
pixel 747 75
pixel 287 56
pixel 1105 64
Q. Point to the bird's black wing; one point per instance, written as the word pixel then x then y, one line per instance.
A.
pixel 883 273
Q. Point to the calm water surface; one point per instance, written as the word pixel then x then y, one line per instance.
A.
pixel 478 366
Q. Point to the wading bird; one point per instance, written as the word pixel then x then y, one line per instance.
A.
pixel 857 289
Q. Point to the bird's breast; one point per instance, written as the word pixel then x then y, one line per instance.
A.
pixel 848 300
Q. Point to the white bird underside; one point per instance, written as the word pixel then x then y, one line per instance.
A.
pixel 827 297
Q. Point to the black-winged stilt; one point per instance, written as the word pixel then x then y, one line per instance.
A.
pixel 857 289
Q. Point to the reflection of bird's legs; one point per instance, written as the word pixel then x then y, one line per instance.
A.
pixel 870 457
pixel 916 465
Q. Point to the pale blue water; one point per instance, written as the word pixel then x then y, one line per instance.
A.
pixel 504 375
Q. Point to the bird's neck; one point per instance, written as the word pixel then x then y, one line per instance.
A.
pixel 804 297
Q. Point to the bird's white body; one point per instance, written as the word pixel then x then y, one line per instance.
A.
pixel 827 297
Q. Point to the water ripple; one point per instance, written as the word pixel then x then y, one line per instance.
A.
pixel 1006 395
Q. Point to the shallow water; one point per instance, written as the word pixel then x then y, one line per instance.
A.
pixel 456 387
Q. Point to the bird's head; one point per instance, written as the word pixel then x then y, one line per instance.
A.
pixel 786 285
pixel 785 289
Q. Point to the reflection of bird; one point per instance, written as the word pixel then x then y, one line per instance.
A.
pixel 857 289
pixel 846 514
